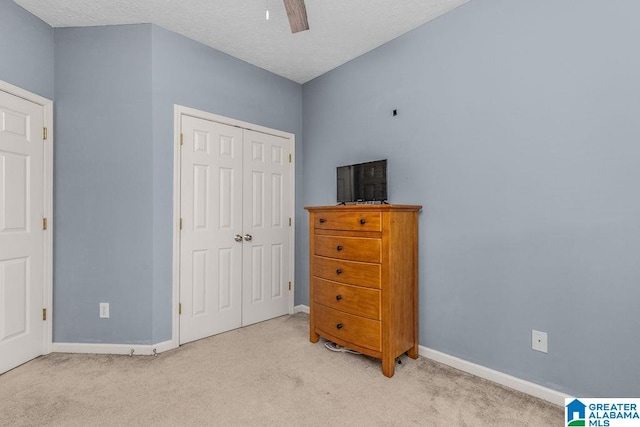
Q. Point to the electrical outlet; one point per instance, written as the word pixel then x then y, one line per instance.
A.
pixel 104 310
pixel 539 341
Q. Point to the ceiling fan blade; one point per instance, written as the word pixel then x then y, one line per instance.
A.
pixel 297 14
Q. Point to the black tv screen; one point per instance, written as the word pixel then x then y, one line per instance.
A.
pixel 362 182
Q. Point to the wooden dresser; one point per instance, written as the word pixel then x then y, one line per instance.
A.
pixel 364 279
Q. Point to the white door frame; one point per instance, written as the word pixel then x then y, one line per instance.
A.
pixel 178 112
pixel 47 295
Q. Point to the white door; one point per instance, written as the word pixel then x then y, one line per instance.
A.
pixel 266 208
pixel 211 211
pixel 21 231
pixel 235 241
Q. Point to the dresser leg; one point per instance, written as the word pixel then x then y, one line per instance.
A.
pixel 388 366
pixel 313 337
pixel 413 352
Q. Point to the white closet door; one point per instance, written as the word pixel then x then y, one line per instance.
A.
pixel 21 233
pixel 211 203
pixel 266 211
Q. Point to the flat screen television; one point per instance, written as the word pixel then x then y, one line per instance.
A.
pixel 362 182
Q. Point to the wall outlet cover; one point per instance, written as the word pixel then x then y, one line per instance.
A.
pixel 104 310
pixel 539 341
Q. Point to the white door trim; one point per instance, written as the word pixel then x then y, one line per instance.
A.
pixel 47 297
pixel 178 112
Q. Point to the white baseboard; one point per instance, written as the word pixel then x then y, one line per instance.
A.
pixel 506 380
pixel 138 349
pixel 501 378
pixel 301 309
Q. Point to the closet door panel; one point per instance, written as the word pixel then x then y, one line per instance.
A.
pixel 267 185
pixel 211 213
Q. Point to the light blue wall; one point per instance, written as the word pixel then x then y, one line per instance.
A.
pixel 193 75
pixel 26 50
pixel 115 90
pixel 519 133
pixel 103 198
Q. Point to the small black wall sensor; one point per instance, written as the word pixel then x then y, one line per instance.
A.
pixel 395 113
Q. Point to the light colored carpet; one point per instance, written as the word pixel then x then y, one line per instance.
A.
pixel 261 375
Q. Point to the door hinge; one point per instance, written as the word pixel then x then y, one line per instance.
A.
pixel 181 139
pixel 180 223
pixel 179 308
pixel 44 133
pixel 289 285
pixel 290 158
pixel 44 314
pixel 44 223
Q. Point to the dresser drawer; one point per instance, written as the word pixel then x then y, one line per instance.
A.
pixel 355 329
pixel 352 221
pixel 363 302
pixel 350 248
pixel 352 272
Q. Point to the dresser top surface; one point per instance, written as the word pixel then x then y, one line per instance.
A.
pixel 365 207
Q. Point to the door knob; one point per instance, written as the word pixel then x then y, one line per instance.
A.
pixel 248 237
pixel 237 238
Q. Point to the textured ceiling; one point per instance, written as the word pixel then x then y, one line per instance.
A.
pixel 340 30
